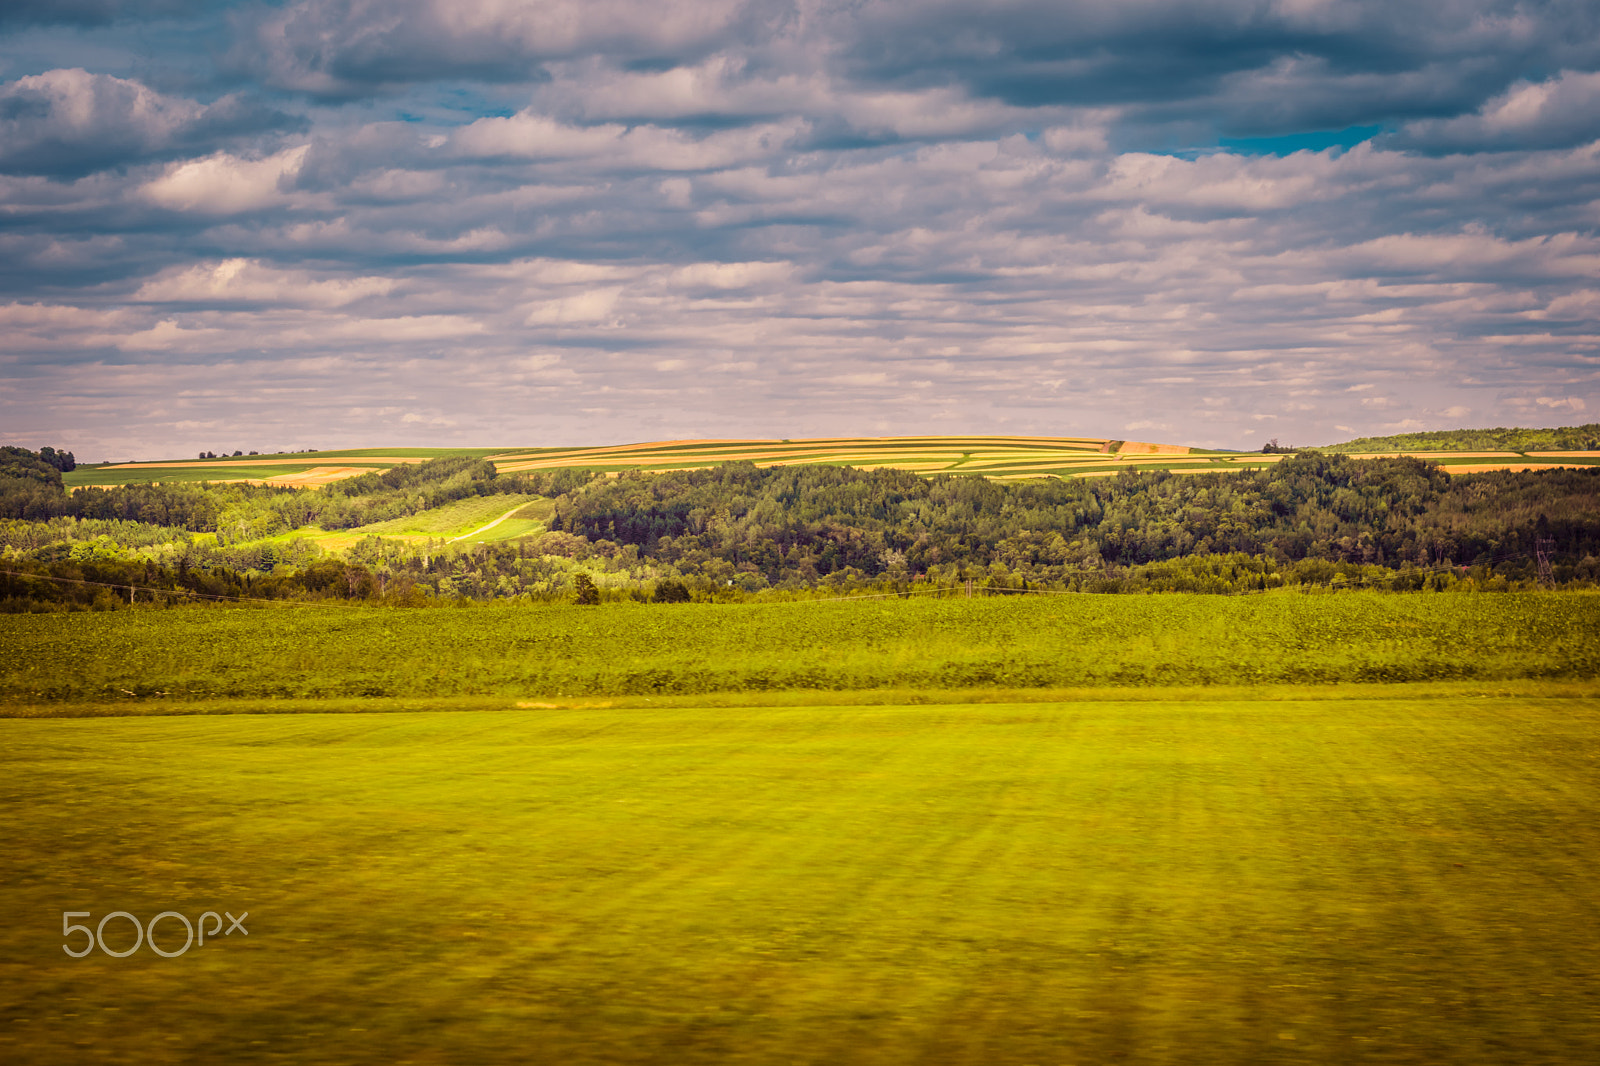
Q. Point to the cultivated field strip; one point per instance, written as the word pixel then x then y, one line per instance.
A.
pixel 1014 456
pixel 296 469
pixel 989 456
pixel 1008 458
pixel 277 460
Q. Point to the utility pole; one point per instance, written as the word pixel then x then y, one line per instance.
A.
pixel 969 588
pixel 1542 547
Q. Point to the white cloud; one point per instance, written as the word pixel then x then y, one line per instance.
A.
pixel 595 307
pixel 737 219
pixel 166 335
pixel 731 275
pixel 70 122
pixel 535 137
pixel 412 418
pixel 65 115
pixel 1563 110
pixel 343 46
pixel 250 281
pixel 225 184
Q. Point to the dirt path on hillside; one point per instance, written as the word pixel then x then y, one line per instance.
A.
pixel 491 525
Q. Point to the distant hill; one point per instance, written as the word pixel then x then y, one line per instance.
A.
pixel 1499 439
pixel 993 457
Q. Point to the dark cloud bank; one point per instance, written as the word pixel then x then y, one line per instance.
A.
pixel 454 222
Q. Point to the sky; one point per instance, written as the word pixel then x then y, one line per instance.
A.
pixel 344 223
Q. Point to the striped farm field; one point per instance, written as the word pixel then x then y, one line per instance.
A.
pixel 295 476
pixel 988 456
pixel 999 458
pixel 280 460
pixel 296 469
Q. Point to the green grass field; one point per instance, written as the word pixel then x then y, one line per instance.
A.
pixel 633 649
pixel 463 520
pixel 1352 828
pixel 1339 880
pixel 462 517
pixel 212 471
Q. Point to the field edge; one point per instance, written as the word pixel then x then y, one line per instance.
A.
pixel 893 697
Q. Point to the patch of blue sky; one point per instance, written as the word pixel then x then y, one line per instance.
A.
pixel 427 105
pixel 1290 143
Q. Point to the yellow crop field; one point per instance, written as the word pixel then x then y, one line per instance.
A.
pixel 278 460
pixel 1135 447
pixel 1009 457
pixel 321 475
pixel 1517 456
pixel 1479 468
pixel 299 479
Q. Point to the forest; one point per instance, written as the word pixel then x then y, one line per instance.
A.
pixel 739 531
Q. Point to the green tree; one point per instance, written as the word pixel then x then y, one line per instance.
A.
pixel 584 589
pixel 671 592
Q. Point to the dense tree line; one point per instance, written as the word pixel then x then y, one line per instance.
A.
pixel 108 584
pixel 31 489
pixel 736 530
pixel 800 523
pixel 509 571
pixel 19 464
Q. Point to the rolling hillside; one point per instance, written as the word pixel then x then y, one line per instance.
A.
pixel 1000 458
pixel 290 469
pixel 1500 439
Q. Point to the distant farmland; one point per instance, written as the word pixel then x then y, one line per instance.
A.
pixel 991 457
pixel 995 457
pixel 290 469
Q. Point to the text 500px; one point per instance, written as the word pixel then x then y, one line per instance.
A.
pixel 142 933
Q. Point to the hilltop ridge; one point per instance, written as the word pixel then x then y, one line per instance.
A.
pixel 1500 439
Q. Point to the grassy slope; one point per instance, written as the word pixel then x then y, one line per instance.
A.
pixel 217 471
pixel 638 649
pixel 458 518
pixel 1565 438
pixel 1343 881
pixel 452 520
pixel 1060 456
pixel 991 456
pixel 232 467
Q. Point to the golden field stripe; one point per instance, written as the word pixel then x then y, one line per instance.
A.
pixel 301 460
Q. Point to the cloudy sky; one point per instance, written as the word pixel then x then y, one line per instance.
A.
pixel 329 223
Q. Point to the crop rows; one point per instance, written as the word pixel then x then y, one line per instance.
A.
pixel 633 649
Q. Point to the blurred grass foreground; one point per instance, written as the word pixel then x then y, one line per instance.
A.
pixel 1361 831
